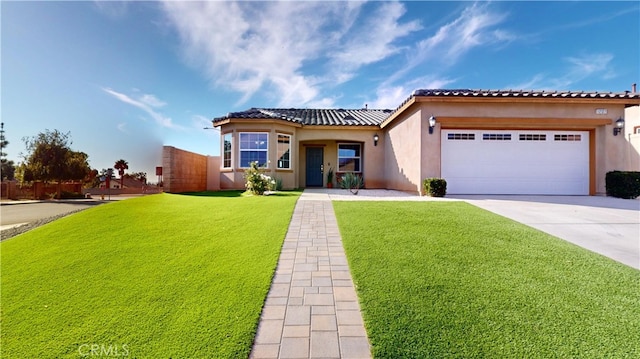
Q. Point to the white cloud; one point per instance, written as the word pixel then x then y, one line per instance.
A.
pixel 392 96
pixel 266 46
pixel 122 127
pixel 475 27
pixel 578 69
pixel 147 103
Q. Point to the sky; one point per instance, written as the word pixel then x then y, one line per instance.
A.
pixel 126 78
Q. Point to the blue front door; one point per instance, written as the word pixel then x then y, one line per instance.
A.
pixel 315 159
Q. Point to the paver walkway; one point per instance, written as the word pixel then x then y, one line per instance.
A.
pixel 312 309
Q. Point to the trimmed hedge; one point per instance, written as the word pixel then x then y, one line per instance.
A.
pixel 435 187
pixel 623 184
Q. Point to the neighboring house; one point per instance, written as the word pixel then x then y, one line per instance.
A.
pixel 480 141
pixel 128 182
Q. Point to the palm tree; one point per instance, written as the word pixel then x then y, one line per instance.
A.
pixel 121 165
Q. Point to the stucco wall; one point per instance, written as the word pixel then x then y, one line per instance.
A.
pixel 403 151
pixel 233 178
pixel 632 153
pixel 183 171
pixel 327 138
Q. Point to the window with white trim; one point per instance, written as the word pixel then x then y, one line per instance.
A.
pixel 226 150
pixel 349 157
pixel 284 151
pixel 253 147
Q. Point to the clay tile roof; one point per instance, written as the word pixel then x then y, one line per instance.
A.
pixel 311 117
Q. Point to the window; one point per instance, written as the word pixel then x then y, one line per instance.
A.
pixel 496 137
pixel 284 151
pixel 226 150
pixel 253 147
pixel 533 137
pixel 349 157
pixel 461 136
pixel 567 138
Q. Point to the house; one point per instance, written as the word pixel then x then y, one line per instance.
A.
pixel 480 141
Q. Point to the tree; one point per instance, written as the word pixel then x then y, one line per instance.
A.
pixel 49 158
pixel 8 168
pixel 121 165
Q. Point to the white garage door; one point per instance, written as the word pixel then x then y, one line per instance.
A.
pixel 516 162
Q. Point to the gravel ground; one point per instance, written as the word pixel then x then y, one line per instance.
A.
pixel 12 232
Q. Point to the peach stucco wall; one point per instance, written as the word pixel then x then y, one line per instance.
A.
pixel 403 148
pixel 632 153
pixel 327 138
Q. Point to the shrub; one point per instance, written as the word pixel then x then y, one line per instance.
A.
pixel 435 187
pixel 257 182
pixel 623 184
pixel 351 181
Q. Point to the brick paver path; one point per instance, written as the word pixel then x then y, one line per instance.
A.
pixel 312 310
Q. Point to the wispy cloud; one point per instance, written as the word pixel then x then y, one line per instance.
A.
pixel 392 96
pixel 268 46
pixel 122 127
pixel 147 103
pixel 475 27
pixel 578 69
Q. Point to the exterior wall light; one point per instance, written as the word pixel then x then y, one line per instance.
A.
pixel 619 126
pixel 375 139
pixel 432 124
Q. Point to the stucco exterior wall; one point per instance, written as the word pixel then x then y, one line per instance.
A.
pixel 632 153
pixel 373 156
pixel 403 152
pixel 233 178
pixel 183 171
pixel 610 152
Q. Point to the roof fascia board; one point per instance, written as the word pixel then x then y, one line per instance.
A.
pixel 397 112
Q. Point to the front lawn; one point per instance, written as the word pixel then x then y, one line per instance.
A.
pixel 448 279
pixel 162 276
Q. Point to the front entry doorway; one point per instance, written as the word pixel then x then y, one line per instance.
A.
pixel 315 160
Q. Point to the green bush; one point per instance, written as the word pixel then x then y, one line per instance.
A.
pixel 623 184
pixel 257 182
pixel 351 181
pixel 435 187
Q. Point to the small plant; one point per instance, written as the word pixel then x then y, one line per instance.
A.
pixel 330 178
pixel 278 184
pixel 435 187
pixel 351 181
pixel 257 182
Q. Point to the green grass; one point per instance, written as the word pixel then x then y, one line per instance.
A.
pixel 440 280
pixel 154 277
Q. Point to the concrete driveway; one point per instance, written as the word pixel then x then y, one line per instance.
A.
pixel 605 225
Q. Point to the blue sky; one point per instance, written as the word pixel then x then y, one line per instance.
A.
pixel 127 77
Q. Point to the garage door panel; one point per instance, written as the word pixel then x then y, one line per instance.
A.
pixel 515 162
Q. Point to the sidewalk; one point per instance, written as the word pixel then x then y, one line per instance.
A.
pixel 312 309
